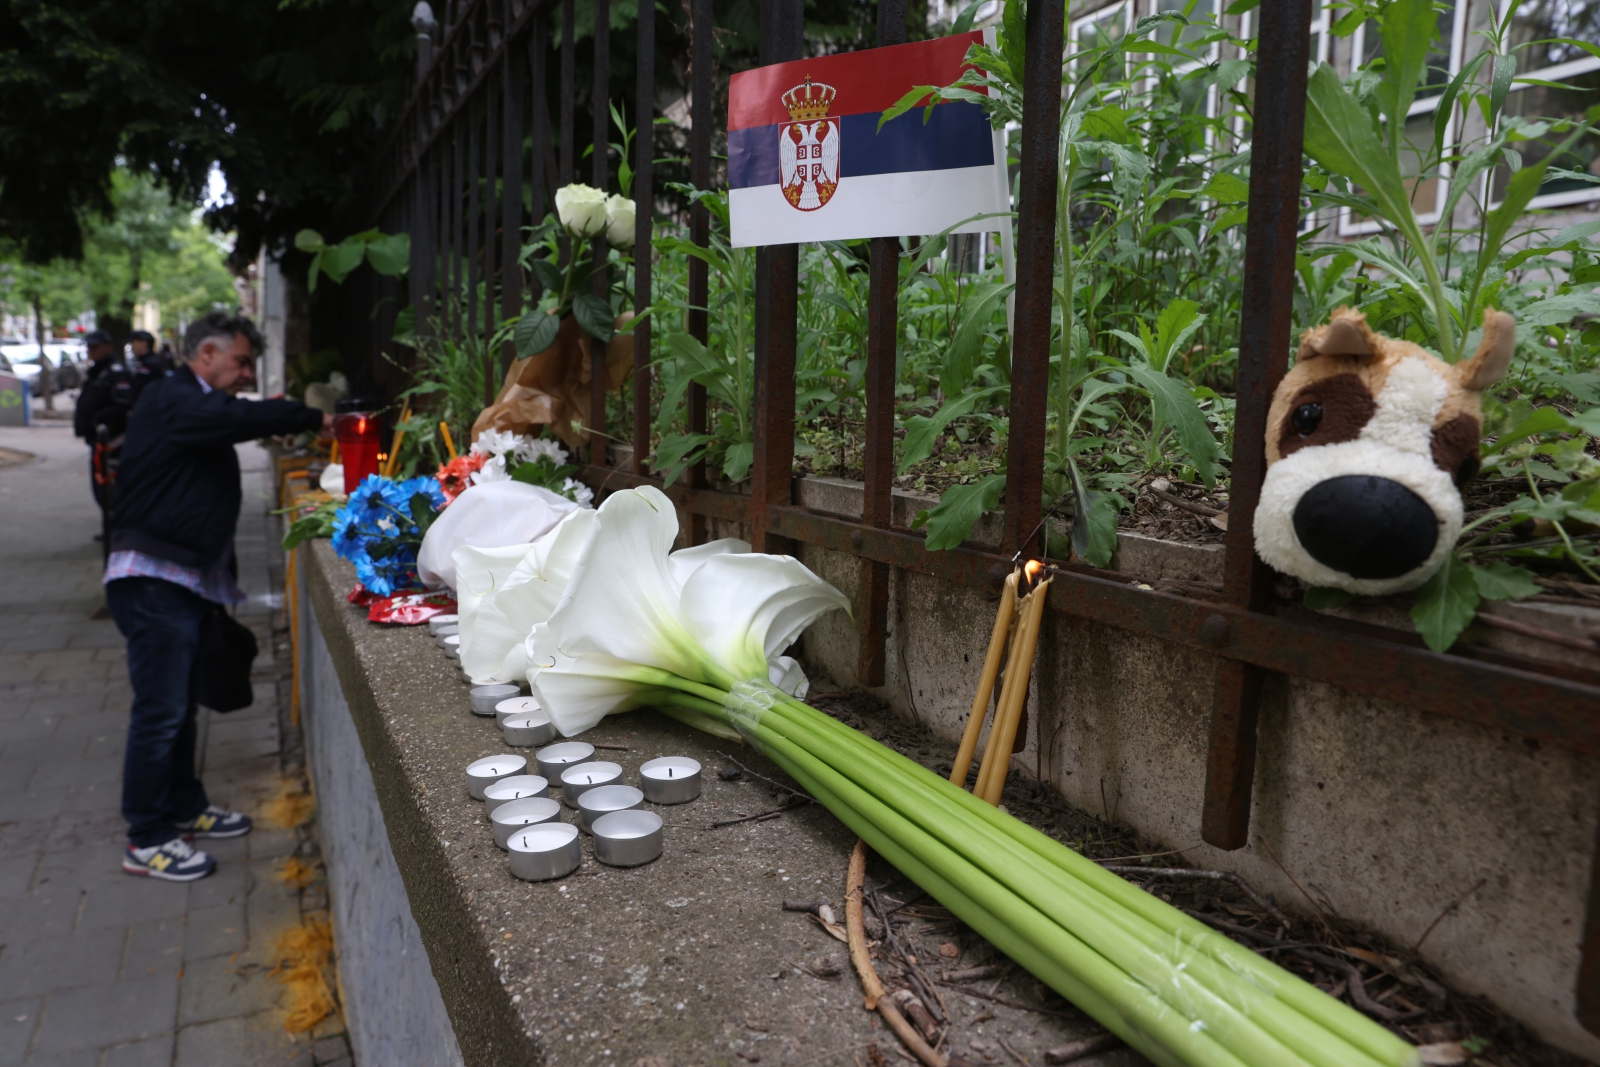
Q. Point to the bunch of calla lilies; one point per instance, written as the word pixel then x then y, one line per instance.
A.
pixel 601 616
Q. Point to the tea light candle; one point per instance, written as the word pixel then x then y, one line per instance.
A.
pixel 604 799
pixel 517 787
pixel 451 643
pixel 514 705
pixel 483 772
pixel 512 816
pixel 579 779
pixel 485 697
pixel 439 622
pixel 443 632
pixel 557 758
pixel 627 838
pixel 670 779
pixel 528 728
pixel 545 850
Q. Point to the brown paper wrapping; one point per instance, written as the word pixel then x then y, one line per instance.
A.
pixel 551 388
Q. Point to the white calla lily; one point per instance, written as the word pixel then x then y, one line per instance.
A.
pixel 525 599
pixel 480 572
pixel 625 633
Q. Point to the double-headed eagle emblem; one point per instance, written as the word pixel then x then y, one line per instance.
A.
pixel 808 147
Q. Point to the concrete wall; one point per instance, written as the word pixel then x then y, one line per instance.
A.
pixel 1385 813
pixel 391 999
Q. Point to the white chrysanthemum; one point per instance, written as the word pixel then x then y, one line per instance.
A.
pixel 578 492
pixel 533 448
pixel 496 442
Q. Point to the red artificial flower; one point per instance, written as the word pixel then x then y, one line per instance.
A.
pixel 455 476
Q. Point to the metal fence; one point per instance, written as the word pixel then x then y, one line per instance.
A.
pixel 459 147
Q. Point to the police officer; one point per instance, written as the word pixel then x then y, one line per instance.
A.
pixel 109 392
pixel 142 347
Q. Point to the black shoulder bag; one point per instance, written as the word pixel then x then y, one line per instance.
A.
pixel 222 668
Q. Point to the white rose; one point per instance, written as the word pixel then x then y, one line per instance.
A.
pixel 620 222
pixel 582 210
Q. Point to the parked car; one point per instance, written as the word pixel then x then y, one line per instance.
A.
pixel 25 364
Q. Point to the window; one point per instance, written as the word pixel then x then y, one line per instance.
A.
pixel 1573 74
pixel 1428 191
pixel 1110 23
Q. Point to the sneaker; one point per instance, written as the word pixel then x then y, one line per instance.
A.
pixel 175 861
pixel 216 822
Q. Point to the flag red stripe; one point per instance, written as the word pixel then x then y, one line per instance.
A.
pixel 869 80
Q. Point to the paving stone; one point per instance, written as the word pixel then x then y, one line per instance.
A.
pixel 85 958
pixel 85 868
pixel 268 914
pixel 154 947
pixel 35 803
pixel 46 913
pixel 328 1049
pixel 220 988
pixel 74 829
pixel 18 1020
pixel 86 1058
pixel 230 885
pixel 156 1052
pixel 132 900
pixel 27 727
pixel 74 772
pixel 94 796
pixel 25 835
pixel 217 931
pixel 268 842
pixel 258 1041
pixel 100 1015
pixel 16 874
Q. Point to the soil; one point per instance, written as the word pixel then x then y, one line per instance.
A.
pixel 1424 1009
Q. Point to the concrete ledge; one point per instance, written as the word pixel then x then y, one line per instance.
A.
pixel 690 959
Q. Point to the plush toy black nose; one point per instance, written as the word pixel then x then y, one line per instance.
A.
pixel 1365 526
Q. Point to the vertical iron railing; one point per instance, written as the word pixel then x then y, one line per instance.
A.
pixel 477 132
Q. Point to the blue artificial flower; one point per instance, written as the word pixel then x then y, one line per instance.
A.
pixel 384 577
pixel 400 494
pixel 369 502
pixel 349 540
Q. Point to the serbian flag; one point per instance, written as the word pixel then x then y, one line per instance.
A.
pixel 807 162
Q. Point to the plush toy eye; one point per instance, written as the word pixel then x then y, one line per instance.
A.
pixel 1467 471
pixel 1306 419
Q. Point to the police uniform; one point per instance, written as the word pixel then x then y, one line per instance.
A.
pixel 109 392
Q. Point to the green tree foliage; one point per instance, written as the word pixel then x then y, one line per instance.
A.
pixel 289 98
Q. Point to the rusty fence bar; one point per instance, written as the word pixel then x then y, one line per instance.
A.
pixel 1268 306
pixel 453 174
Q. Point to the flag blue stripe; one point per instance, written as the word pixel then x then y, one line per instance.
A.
pixel 956 136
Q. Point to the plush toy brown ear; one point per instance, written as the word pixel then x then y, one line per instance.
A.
pixel 1489 364
pixel 1346 334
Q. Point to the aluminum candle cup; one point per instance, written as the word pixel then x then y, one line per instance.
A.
pixel 604 799
pixel 483 772
pixel 578 780
pixel 545 850
pixel 443 632
pixel 451 643
pixel 528 728
pixel 485 697
pixel 627 838
pixel 439 622
pixel 517 787
pixel 516 705
pixel 513 815
pixel 670 779
pixel 557 758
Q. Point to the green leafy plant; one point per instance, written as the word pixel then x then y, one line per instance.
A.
pixel 389 255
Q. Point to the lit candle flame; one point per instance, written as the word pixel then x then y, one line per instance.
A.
pixel 1031 570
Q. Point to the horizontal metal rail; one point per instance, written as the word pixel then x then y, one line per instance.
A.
pixel 1519 696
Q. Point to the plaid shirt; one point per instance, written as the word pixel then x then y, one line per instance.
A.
pixel 216 585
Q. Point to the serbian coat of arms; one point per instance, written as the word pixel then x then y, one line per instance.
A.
pixel 808 147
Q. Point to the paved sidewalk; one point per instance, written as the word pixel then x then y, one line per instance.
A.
pixel 97 968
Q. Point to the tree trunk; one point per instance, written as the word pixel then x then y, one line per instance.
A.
pixel 46 385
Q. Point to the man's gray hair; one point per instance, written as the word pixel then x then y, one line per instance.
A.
pixel 221 327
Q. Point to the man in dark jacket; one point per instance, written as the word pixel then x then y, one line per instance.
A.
pixel 177 501
pixel 100 417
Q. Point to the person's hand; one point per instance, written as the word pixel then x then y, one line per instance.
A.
pixel 327 427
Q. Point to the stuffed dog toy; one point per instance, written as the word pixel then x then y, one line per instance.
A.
pixel 1369 440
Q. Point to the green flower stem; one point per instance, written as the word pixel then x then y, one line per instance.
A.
pixel 1197 998
pixel 919 791
pixel 1152 955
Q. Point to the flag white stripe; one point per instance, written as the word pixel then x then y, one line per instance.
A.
pixel 908 203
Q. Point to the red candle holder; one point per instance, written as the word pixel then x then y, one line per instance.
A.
pixel 360 441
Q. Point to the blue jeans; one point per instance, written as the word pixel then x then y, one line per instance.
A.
pixel 161 622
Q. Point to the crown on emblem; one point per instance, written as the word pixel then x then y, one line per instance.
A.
pixel 808 101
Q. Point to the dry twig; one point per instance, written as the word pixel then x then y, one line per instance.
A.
pixel 875 999
pixel 791 789
pixel 758 817
pixel 1077 1050
pixel 1219 876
